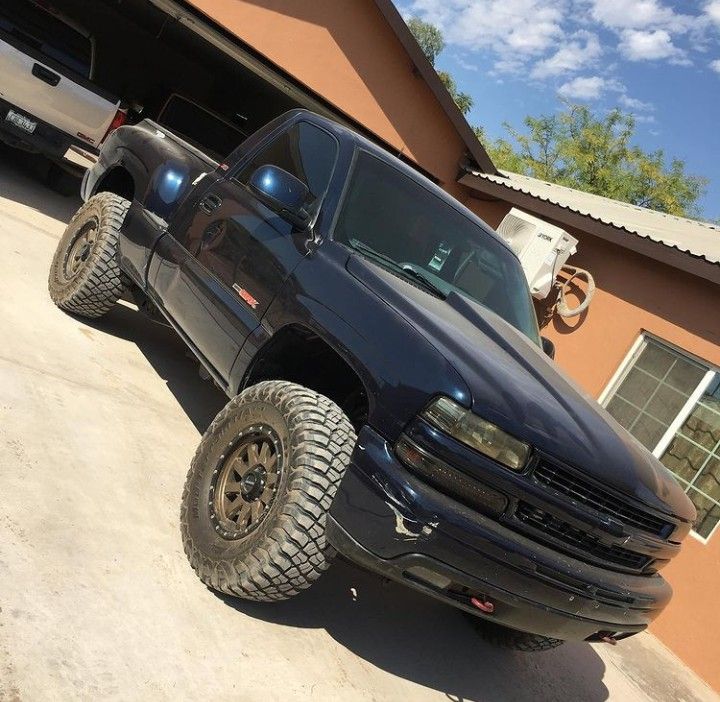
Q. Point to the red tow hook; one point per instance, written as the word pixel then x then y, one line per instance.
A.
pixel 487 606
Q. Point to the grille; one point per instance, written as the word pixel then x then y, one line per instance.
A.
pixel 600 500
pixel 578 540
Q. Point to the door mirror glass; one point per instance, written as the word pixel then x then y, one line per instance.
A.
pixel 548 347
pixel 283 193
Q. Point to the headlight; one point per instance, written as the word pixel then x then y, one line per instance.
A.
pixel 475 432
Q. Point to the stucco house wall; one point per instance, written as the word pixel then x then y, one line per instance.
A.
pixel 346 52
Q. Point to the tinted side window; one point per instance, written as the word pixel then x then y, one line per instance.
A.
pixel 42 31
pixel 304 151
pixel 200 127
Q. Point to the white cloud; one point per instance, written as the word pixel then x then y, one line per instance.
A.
pixel 640 14
pixel 466 64
pixel 513 29
pixel 575 55
pixel 509 64
pixel 712 11
pixel 634 104
pixel 641 45
pixel 715 65
pixel 640 110
pixel 555 41
pixel 588 87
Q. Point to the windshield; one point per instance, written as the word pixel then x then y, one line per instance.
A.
pixel 398 224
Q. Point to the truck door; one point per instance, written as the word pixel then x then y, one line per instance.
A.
pixel 235 252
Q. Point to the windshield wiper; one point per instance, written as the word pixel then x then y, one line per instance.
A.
pixel 417 275
pixel 405 271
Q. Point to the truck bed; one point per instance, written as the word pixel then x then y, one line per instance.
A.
pixel 46 92
pixel 211 163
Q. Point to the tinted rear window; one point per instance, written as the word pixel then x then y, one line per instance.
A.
pixel 201 128
pixel 47 33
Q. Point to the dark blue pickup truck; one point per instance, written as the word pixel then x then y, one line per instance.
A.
pixel 391 397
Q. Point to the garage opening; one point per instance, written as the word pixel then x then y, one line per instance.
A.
pixel 167 65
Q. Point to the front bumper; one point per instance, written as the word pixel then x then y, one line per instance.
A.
pixel 388 520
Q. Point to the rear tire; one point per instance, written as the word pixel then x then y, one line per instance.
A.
pixel 505 637
pixel 85 278
pixel 259 490
pixel 62 182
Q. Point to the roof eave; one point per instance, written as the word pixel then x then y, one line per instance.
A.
pixel 429 74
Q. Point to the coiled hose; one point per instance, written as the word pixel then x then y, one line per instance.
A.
pixel 561 306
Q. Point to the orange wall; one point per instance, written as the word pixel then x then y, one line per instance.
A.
pixel 635 293
pixel 346 52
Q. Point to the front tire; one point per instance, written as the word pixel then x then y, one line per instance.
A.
pixel 85 278
pixel 259 490
pixel 505 637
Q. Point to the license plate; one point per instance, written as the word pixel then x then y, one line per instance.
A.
pixel 21 121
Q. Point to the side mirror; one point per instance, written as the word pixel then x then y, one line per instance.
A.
pixel 283 193
pixel 547 346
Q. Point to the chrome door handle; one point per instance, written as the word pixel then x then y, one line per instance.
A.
pixel 210 203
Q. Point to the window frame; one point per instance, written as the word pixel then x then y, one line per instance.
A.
pixel 249 157
pixel 57 64
pixel 628 363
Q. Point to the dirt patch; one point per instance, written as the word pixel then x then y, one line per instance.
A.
pixel 8 690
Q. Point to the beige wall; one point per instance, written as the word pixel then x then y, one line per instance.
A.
pixel 346 52
pixel 635 293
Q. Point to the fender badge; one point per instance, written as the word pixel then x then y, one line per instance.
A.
pixel 245 296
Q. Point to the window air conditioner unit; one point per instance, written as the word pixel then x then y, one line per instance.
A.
pixel 541 247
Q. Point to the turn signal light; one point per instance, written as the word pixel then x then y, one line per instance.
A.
pixel 449 480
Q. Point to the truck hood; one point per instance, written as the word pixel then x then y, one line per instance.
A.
pixel 516 386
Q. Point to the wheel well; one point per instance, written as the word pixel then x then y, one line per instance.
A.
pixel 300 356
pixel 118 181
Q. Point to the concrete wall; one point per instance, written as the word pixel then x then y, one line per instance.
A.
pixel 634 294
pixel 346 52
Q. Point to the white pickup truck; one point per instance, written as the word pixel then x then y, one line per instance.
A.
pixel 48 102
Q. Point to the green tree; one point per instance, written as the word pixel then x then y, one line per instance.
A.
pixel 428 36
pixel 582 150
pixel 462 100
pixel 431 41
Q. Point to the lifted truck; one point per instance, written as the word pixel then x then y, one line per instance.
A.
pixel 390 399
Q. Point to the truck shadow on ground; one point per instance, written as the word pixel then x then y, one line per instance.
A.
pixel 387 625
pixel 22 179
pixel 429 643
pixel 200 399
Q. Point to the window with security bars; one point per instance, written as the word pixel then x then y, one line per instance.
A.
pixel 670 403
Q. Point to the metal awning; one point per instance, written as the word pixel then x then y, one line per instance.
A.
pixel 683 243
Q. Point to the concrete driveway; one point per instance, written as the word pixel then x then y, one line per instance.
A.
pixel 98 422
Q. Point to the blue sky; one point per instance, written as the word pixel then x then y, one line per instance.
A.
pixel 656 59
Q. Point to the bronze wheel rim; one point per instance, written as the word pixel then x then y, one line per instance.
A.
pixel 245 482
pixel 82 246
